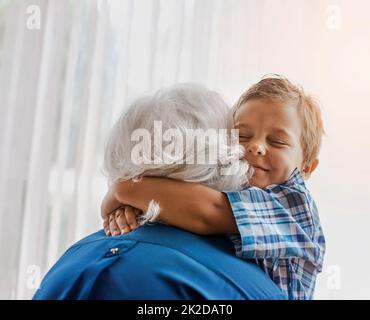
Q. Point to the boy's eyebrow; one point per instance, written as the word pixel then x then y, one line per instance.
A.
pixel 276 129
pixel 242 125
pixel 280 130
pixel 273 130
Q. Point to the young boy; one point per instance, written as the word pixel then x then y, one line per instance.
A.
pixel 275 220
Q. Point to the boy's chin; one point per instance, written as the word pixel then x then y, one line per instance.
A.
pixel 258 184
pixel 259 180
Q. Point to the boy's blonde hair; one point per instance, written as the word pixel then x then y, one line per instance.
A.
pixel 279 88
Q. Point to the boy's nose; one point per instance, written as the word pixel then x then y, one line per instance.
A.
pixel 256 150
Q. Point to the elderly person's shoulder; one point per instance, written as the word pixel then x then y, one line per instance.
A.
pixel 155 261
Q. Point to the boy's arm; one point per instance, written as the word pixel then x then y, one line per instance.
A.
pixel 190 206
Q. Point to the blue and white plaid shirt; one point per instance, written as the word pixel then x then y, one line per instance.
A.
pixel 279 227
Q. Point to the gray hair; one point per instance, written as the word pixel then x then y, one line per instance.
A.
pixel 181 106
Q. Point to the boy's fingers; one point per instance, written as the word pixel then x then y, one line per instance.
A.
pixel 114 230
pixel 138 212
pixel 121 221
pixel 106 226
pixel 130 217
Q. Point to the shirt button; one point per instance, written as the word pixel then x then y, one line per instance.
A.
pixel 114 250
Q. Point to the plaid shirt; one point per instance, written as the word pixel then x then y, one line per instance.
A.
pixel 279 227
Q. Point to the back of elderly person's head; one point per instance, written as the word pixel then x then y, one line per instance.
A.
pixel 181 108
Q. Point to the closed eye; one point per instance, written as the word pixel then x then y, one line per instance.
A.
pixel 274 142
pixel 278 142
pixel 244 138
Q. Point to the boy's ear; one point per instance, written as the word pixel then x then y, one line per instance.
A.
pixel 311 167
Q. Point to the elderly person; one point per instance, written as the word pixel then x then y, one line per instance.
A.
pixel 186 135
pixel 157 261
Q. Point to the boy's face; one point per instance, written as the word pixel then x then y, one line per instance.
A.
pixel 270 132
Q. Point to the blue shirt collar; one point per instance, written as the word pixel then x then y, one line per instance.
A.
pixel 295 178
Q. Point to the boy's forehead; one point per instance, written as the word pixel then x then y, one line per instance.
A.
pixel 275 129
pixel 279 117
pixel 263 106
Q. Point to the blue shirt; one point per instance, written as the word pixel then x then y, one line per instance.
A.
pixel 280 229
pixel 155 261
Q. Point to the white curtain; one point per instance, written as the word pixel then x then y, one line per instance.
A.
pixel 64 84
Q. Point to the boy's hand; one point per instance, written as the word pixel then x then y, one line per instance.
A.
pixel 117 217
pixel 122 220
pixel 109 204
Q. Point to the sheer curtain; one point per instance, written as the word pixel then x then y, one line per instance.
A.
pixel 62 86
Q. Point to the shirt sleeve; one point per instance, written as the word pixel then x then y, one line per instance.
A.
pixel 276 223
